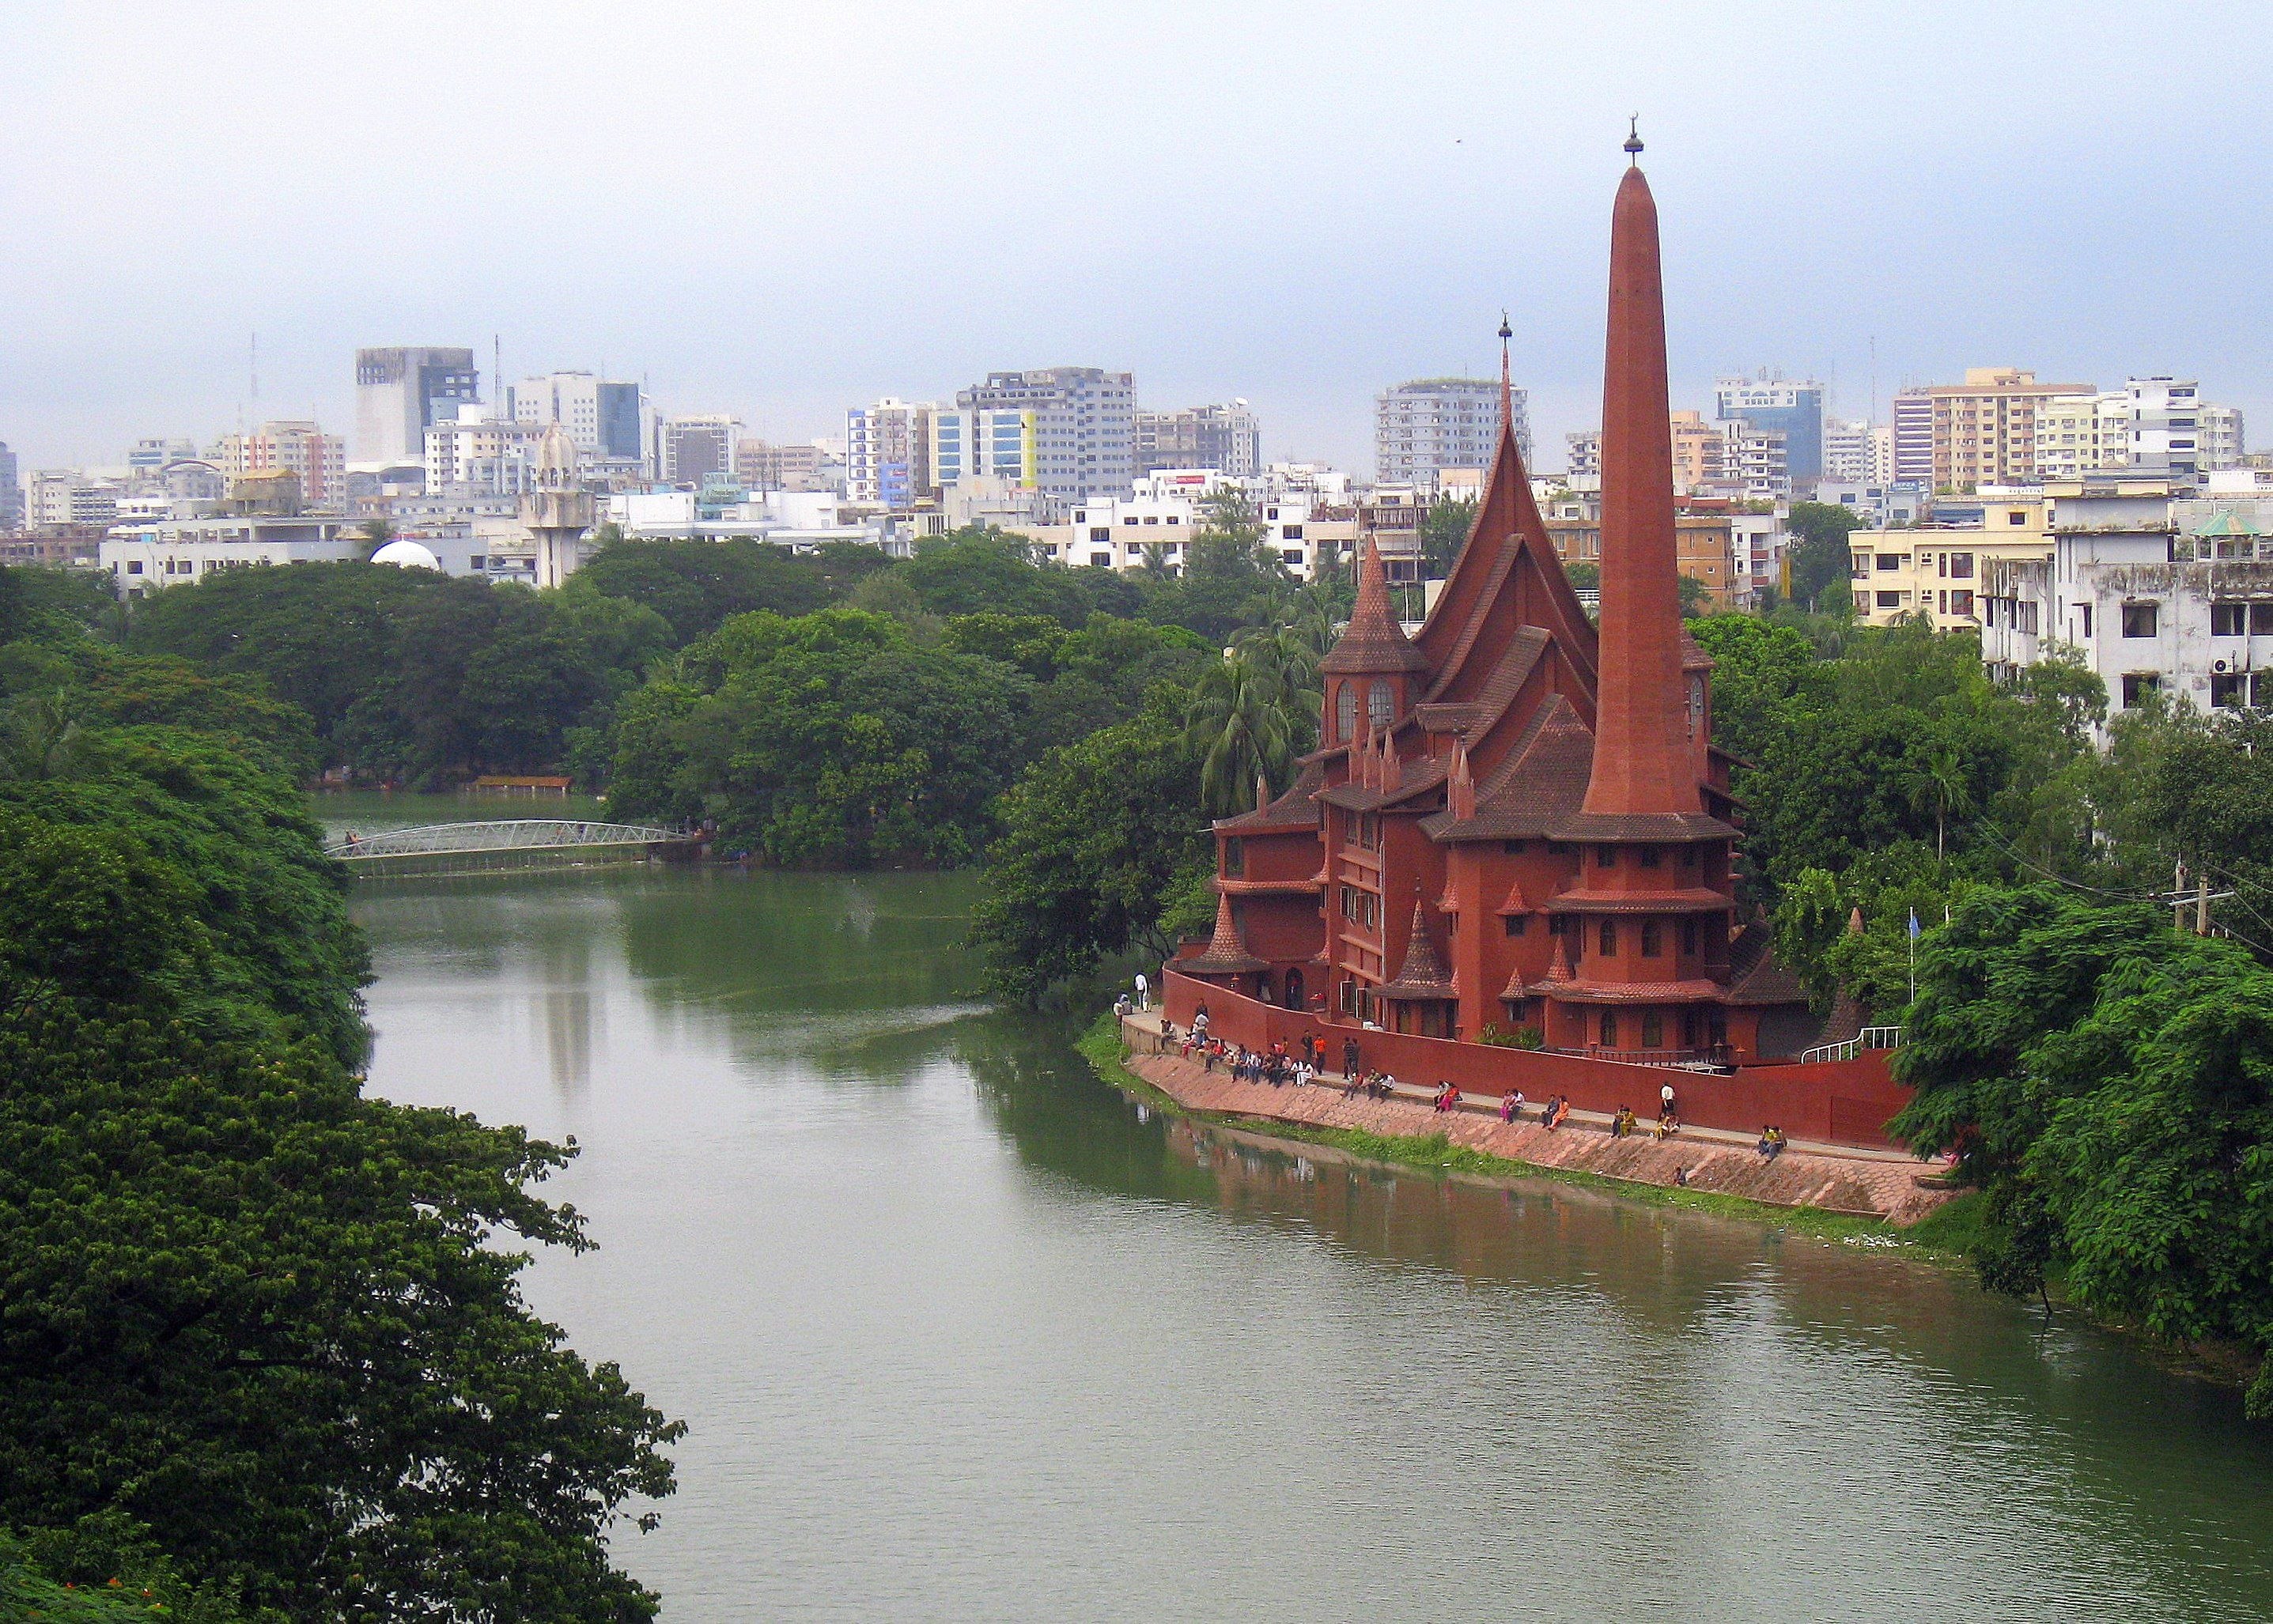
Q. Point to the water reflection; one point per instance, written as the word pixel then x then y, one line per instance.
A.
pixel 963 1332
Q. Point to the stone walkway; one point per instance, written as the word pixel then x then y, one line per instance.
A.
pixel 1870 1183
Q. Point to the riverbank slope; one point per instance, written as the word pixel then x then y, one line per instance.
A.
pixel 1866 1184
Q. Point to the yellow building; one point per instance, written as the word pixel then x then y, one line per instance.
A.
pixel 1700 451
pixel 1705 544
pixel 1938 574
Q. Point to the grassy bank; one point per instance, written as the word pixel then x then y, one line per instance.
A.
pixel 1947 1234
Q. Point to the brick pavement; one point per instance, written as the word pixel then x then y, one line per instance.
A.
pixel 1867 1183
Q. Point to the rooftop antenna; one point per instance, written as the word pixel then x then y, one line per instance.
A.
pixel 252 356
pixel 1633 134
pixel 497 374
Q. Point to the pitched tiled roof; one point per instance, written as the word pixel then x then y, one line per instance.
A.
pixel 1542 780
pixel 1297 809
pixel 1754 975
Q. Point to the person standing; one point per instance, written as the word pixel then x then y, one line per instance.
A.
pixel 1144 992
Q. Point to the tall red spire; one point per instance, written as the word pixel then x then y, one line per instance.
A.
pixel 1643 764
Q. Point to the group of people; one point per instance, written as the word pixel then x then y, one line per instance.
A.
pixel 1305 1064
pixel 1772 1143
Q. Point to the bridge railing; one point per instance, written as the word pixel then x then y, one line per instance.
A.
pixel 1870 1038
pixel 503 835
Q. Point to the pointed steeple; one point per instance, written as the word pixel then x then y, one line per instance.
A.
pixel 1424 975
pixel 1644 761
pixel 1460 782
pixel 1227 955
pixel 1373 643
pixel 1262 793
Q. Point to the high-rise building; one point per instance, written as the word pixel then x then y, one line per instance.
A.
pixel 1755 462
pixel 2080 434
pixel 1084 425
pixel 606 419
pixel 1001 444
pixel 1700 452
pixel 1226 439
pixel 1857 452
pixel 478 454
pixel 299 447
pixel 694 448
pixel 1792 407
pixel 1441 422
pixel 402 391
pixel 887 452
pixel 1913 438
pixel 12 492
pixel 1984 430
pixel 762 465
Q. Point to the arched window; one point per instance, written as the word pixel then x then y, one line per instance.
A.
pixel 1609 937
pixel 1609 1028
pixel 1380 704
pixel 1346 712
pixel 1696 705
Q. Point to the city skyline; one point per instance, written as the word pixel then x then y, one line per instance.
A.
pixel 1949 212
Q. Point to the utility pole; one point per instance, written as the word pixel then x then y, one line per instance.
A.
pixel 2202 907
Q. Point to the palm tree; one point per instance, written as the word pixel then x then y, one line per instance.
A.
pixel 39 737
pixel 376 533
pixel 1941 782
pixel 1238 725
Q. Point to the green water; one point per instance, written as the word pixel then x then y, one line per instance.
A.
pixel 962 1332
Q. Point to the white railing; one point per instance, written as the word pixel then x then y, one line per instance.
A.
pixel 1869 1039
pixel 507 834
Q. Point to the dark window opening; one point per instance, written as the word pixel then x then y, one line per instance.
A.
pixel 1515 924
pixel 1649 857
pixel 1609 1028
pixel 1606 857
pixel 1652 1030
pixel 2139 619
pixel 1234 858
pixel 1610 936
pixel 1652 940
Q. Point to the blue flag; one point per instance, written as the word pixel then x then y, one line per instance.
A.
pixel 1914 924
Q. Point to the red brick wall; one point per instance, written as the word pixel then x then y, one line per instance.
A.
pixel 1846 1102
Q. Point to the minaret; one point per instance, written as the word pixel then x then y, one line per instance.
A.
pixel 558 510
pixel 1644 759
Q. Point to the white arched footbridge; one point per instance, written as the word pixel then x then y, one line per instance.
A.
pixel 513 842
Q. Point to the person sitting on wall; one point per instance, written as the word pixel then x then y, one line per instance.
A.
pixel 1510 1104
pixel 1123 1008
pixel 1557 1110
pixel 1621 1123
pixel 1667 1124
pixel 1771 1145
pixel 1447 1097
pixel 1385 1084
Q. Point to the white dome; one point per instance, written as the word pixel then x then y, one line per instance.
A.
pixel 407 554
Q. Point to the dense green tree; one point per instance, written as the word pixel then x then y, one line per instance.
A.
pixel 696 585
pixel 1094 837
pixel 1820 558
pixel 2108 1083
pixel 253 1319
pixel 1444 531
pixel 1243 722
pixel 981 570
pixel 828 739
pixel 410 675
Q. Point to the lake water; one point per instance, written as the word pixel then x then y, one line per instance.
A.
pixel 962 1332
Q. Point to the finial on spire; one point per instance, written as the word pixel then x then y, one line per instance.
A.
pixel 1633 133
pixel 1506 379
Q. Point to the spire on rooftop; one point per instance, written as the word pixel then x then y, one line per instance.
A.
pixel 1373 642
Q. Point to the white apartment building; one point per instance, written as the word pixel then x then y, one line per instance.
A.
pixel 1117 534
pixel 144 558
pixel 2153 427
pixel 887 455
pixel 1000 444
pixel 2155 594
pixel 477 453
pixel 1755 464
pixel 1432 424
pixel 1857 452
pixel 1882 506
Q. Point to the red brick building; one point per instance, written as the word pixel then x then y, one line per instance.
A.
pixel 1513 821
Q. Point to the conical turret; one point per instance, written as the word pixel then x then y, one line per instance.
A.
pixel 1373 643
pixel 1226 954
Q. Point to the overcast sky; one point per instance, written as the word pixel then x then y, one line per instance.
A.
pixel 782 210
